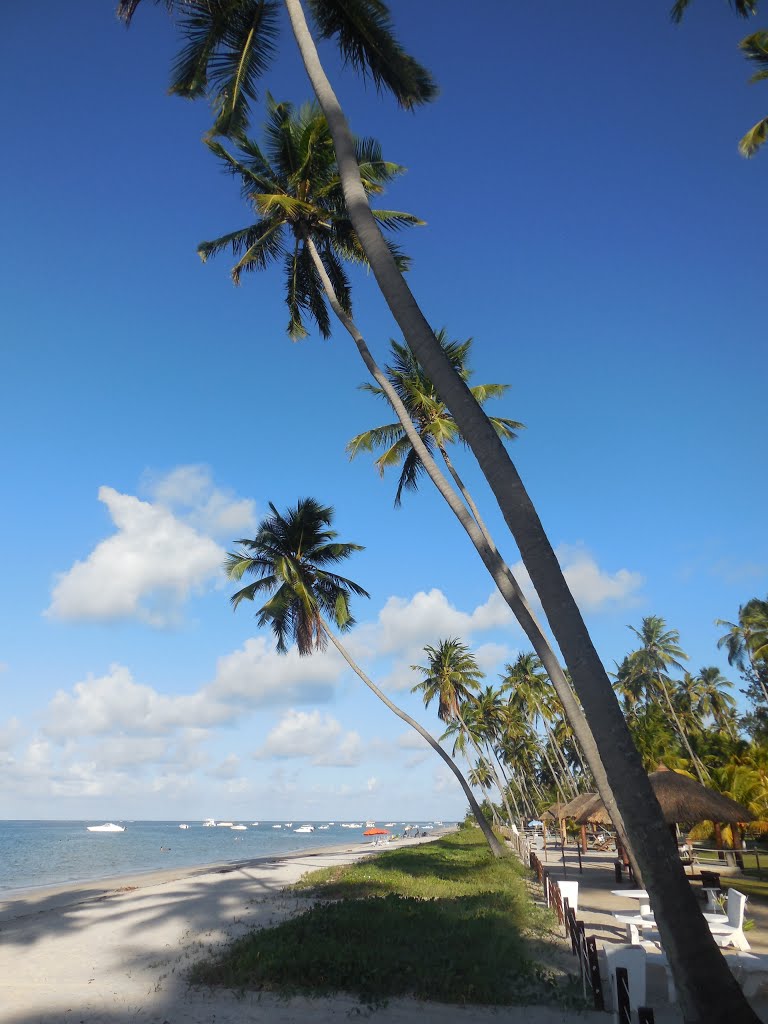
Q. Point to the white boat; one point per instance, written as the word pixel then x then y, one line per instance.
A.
pixel 389 824
pixel 183 826
pixel 370 824
pixel 108 827
pixel 238 828
pixel 209 823
pixel 254 823
pixel 289 824
pixel 321 827
pixel 224 824
pixel 305 828
pixel 277 826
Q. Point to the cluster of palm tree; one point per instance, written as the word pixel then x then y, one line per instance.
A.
pixel 228 45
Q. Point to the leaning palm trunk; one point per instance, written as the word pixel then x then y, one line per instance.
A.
pixel 697 765
pixel 708 991
pixel 500 572
pixel 495 846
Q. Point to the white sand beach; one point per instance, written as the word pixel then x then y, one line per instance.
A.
pixel 118 951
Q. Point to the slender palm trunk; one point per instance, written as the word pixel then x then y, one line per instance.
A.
pixel 490 766
pixel 500 572
pixel 495 846
pixel 697 765
pixel 708 991
pixel 566 772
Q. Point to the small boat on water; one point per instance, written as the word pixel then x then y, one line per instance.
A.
pixel 183 826
pixel 321 827
pixel 305 828
pixel 108 827
pixel 277 826
pixel 254 823
pixel 289 824
pixel 224 824
pixel 389 824
pixel 209 823
pixel 238 828
pixel 370 824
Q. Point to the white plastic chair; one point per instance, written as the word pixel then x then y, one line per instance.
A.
pixel 731 931
pixel 634 958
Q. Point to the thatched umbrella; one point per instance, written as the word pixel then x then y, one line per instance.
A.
pixel 680 799
pixel 574 807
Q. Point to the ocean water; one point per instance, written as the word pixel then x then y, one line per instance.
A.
pixel 47 853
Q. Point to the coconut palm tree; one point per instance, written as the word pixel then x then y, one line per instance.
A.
pixel 292 559
pixel 293 185
pixel 295 190
pixel 660 650
pixel 530 692
pixel 435 424
pixel 229 44
pixel 746 641
pixel 452 676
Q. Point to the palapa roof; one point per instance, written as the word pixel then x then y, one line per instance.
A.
pixel 555 812
pixel 574 807
pixel 681 799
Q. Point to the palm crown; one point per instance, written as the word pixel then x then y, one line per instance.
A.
pixel 451 674
pixel 229 44
pixel 288 557
pixel 293 185
pixel 435 424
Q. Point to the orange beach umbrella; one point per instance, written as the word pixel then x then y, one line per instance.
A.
pixel 376 832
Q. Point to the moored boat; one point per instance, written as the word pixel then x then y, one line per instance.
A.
pixel 109 826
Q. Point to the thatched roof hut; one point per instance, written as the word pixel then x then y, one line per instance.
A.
pixel 680 798
pixel 574 807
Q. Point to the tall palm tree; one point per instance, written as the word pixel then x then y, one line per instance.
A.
pixel 528 686
pixel 659 651
pixel 714 701
pixel 293 185
pixel 452 676
pixel 229 45
pixel 434 422
pixel 746 641
pixel 295 190
pixel 292 558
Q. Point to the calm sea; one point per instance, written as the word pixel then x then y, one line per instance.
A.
pixel 40 853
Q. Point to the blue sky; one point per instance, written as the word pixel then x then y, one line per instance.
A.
pixel 590 225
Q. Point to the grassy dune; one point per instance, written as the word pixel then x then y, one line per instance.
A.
pixel 440 921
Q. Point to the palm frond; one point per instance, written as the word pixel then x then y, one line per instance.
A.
pixel 744 8
pixel 754 139
pixel 364 33
pixel 256 172
pixel 238 241
pixel 377 437
pixel 229 45
pixel 396 219
pixel 755 48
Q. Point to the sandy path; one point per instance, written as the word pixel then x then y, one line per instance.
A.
pixel 98 954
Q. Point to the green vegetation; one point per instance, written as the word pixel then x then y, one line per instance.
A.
pixel 443 921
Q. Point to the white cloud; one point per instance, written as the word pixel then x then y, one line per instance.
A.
pixel 592 587
pixel 146 570
pixel 257 675
pixel 114 703
pixel 411 740
pixel 10 733
pixel 190 490
pixel 228 769
pixel 161 553
pixel 313 735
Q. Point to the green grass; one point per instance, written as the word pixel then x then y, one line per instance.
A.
pixel 442 921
